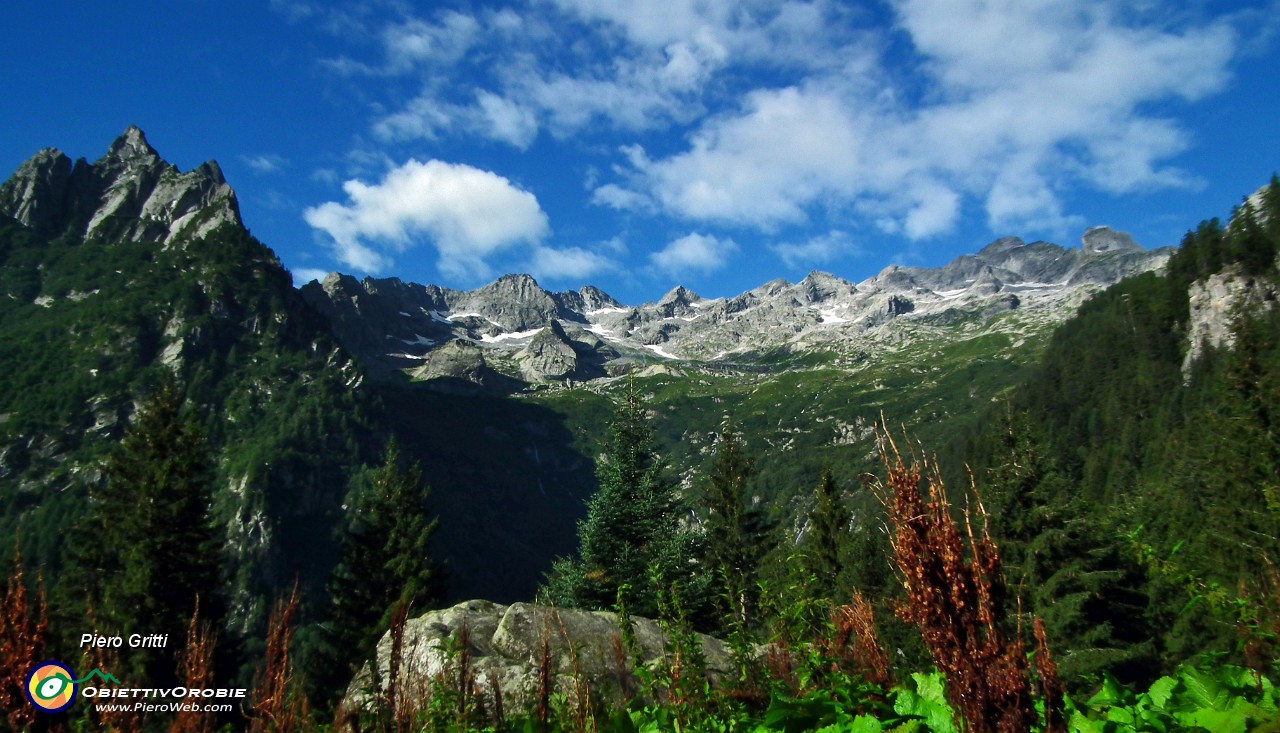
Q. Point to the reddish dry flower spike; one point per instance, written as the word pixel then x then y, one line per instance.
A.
pixel 24 635
pixel 196 671
pixel 953 585
pixel 278 705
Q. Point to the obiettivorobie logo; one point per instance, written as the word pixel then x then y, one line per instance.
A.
pixel 51 686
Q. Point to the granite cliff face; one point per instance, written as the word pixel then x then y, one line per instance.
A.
pixel 529 333
pixel 115 270
pixel 127 194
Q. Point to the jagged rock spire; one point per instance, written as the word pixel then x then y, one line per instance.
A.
pixel 130 193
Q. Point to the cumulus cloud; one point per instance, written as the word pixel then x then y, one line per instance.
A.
pixel 787 110
pixel 617 197
pixel 569 263
pixel 787 149
pixel 415 41
pixel 304 275
pixel 507 121
pixel 694 253
pixel 264 163
pixel 816 251
pixel 467 214
pixel 1052 90
pixel 572 65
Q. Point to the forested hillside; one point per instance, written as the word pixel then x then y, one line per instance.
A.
pixel 1133 477
pixel 91 328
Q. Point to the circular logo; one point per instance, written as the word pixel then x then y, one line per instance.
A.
pixel 51 686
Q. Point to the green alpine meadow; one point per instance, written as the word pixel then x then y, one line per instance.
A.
pixel 1035 489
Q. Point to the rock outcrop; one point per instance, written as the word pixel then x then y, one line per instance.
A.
pixel 504 648
pixel 1216 304
pixel 548 356
pixel 1099 240
pixel 128 194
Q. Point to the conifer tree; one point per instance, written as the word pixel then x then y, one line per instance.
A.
pixel 633 526
pixel 736 530
pixel 1068 566
pixel 155 552
pixel 828 528
pixel 386 557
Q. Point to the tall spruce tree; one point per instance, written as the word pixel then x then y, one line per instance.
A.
pixel 154 552
pixel 386 558
pixel 1068 565
pixel 828 533
pixel 633 535
pixel 736 527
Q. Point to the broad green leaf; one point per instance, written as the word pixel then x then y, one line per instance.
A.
pixel 1161 690
pixel 929 701
pixel 1078 723
pixel 864 724
pixel 931 687
pixel 1110 694
pixel 1120 715
pixel 1217 721
pixel 1201 689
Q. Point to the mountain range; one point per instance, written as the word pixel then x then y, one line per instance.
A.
pixel 515 328
pixel 115 271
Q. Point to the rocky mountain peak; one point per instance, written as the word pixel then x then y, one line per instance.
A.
pixel 130 149
pixel 679 295
pixel 594 298
pixel 512 302
pixel 1099 240
pixel 1001 246
pixel 36 193
pixel 819 287
pixel 130 193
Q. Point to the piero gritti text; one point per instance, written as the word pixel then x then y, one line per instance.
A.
pixel 134 641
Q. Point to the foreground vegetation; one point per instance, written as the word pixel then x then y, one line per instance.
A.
pixel 1116 572
pixel 821 666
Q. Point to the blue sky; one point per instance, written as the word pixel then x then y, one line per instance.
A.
pixel 639 145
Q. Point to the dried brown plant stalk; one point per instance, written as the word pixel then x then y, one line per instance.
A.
pixel 24 634
pixel 954 592
pixel 196 672
pixel 579 696
pixel 110 718
pixel 1050 685
pixel 393 701
pixel 856 639
pixel 278 702
pixel 546 682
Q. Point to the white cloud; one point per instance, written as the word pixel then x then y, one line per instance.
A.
pixel 467 214
pixel 415 41
pixel 570 263
pixel 633 67
pixel 1058 90
pixel 791 109
pixel 694 253
pixel 304 275
pixel 507 121
pixel 934 210
pixel 617 197
pixel 1021 199
pixel 424 117
pixel 818 250
pixel 787 149
pixel 265 163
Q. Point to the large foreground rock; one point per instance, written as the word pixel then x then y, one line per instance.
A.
pixel 504 650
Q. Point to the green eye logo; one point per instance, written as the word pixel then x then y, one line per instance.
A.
pixel 51 687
